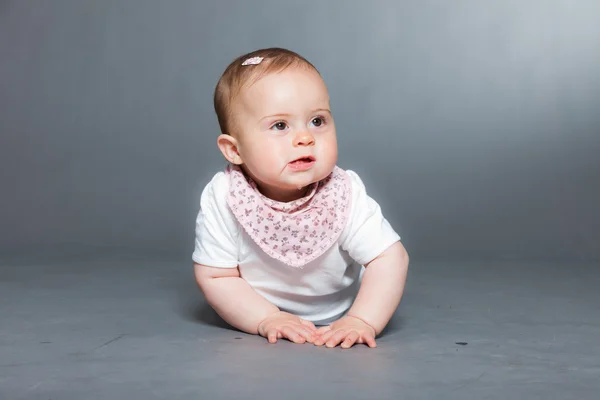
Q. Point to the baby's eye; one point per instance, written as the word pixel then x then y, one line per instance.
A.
pixel 318 121
pixel 279 126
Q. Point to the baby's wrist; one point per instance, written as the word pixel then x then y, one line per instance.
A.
pixel 375 332
pixel 260 324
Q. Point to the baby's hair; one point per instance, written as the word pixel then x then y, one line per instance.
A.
pixel 237 76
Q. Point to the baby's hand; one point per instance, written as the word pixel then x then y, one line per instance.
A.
pixel 347 331
pixel 288 326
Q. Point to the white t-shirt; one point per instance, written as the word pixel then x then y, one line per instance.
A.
pixel 324 289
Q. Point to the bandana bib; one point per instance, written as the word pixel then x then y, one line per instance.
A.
pixel 297 232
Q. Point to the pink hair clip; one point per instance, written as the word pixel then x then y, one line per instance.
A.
pixel 253 61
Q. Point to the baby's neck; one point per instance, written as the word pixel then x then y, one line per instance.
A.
pixel 284 196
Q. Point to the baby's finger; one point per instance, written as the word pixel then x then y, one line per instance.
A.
pixel 337 337
pixel 350 340
pixel 305 333
pixel 369 340
pixel 309 324
pixel 323 329
pixel 324 338
pixel 272 336
pixel 291 334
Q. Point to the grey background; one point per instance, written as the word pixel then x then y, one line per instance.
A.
pixel 476 125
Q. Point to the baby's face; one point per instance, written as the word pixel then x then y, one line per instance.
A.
pixel 286 134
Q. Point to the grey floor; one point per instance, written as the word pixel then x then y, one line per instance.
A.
pixel 137 328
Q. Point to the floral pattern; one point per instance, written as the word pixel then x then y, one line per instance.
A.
pixel 296 232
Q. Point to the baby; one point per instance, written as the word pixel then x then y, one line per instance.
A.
pixel 285 240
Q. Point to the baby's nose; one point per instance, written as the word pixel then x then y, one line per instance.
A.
pixel 304 138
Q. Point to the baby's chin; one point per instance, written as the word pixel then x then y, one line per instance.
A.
pixel 302 180
pixel 292 183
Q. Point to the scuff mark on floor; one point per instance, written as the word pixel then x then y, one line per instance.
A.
pixel 110 341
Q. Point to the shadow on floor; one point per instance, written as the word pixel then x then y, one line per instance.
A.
pixel 192 306
pixel 199 311
pixel 395 325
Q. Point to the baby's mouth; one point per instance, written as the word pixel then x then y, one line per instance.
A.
pixel 302 163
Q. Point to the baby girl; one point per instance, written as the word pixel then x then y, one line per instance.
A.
pixel 286 240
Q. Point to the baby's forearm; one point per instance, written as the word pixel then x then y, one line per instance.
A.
pixel 381 288
pixel 235 301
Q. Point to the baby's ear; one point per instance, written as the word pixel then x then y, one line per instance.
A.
pixel 229 147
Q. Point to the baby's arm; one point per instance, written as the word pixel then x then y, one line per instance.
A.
pixel 378 297
pixel 240 306
pixel 381 288
pixel 232 297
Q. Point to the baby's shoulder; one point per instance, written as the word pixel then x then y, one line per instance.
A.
pixel 218 186
pixel 356 183
pixel 214 194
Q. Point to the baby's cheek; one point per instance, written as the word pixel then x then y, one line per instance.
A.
pixel 270 162
pixel 273 158
pixel 263 153
pixel 329 151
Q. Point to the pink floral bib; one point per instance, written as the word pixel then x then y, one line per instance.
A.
pixel 297 232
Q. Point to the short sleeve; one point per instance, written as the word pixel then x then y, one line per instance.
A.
pixel 216 228
pixel 367 233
